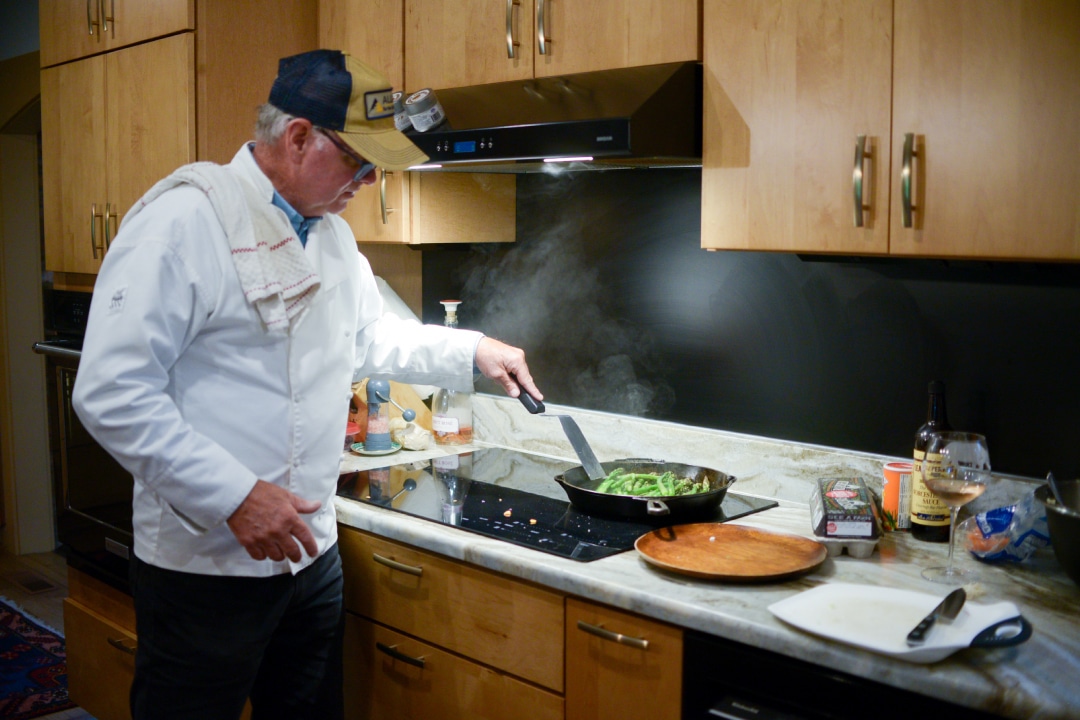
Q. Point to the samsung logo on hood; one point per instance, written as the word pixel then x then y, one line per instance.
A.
pixel 648 116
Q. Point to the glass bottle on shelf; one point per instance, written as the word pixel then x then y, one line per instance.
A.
pixel 451 410
pixel 929 516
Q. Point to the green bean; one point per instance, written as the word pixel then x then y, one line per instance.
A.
pixel 667 484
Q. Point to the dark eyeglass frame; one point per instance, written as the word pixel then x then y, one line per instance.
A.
pixel 366 167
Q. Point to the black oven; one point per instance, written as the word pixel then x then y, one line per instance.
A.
pixel 92 491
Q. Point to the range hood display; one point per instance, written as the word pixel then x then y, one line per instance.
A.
pixel 648 116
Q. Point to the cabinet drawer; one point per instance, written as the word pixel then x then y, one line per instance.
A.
pixel 497 621
pixel 620 665
pixel 383 679
pixel 100 662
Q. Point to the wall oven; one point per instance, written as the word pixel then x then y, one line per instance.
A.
pixel 92 491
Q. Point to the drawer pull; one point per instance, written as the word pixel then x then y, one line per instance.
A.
pixel 120 645
pixel 511 43
pixel 395 565
pixel 600 632
pixel 393 652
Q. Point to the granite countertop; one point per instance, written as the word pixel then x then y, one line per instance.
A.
pixel 1036 679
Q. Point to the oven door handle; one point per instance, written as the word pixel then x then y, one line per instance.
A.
pixel 53 350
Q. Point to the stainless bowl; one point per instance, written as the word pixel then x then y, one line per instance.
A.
pixel 1064 525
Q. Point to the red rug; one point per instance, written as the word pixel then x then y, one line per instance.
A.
pixel 33 666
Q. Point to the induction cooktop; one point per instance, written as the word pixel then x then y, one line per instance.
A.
pixel 512 496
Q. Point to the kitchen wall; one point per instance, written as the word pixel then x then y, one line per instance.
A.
pixel 619 309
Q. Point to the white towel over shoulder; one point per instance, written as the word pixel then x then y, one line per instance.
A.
pixel 275 274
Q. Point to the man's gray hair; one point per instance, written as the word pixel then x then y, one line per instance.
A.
pixel 270 125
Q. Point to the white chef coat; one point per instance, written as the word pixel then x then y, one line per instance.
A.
pixel 182 384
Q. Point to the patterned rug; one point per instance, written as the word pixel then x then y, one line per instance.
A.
pixel 33 666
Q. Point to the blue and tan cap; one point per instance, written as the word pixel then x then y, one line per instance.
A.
pixel 338 92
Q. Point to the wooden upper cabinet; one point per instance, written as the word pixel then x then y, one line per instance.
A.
pixel 789 87
pixel 112 126
pixel 987 93
pixel 453 43
pixel 990 93
pixel 73 29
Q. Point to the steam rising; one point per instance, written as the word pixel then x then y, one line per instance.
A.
pixel 547 296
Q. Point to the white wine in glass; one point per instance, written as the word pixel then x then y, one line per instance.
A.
pixel 957 472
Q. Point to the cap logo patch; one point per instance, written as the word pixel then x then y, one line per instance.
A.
pixel 379 104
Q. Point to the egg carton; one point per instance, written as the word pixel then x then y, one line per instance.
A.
pixel 855 547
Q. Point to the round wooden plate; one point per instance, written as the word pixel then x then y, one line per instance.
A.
pixel 719 551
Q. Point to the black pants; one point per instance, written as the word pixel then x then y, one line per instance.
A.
pixel 207 643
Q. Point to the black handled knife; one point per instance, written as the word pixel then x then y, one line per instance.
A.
pixel 947 609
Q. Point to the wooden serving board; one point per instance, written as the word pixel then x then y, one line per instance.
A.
pixel 718 551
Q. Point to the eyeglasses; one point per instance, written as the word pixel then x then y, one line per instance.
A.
pixel 364 168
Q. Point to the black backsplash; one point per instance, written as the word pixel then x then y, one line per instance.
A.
pixel 619 309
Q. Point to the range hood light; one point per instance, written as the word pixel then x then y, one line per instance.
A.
pixel 429 166
pixel 581 158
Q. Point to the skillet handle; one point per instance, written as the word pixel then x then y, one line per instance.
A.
pixel 531 404
pixel 1004 634
pixel 654 507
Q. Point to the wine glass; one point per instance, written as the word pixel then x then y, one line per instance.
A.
pixel 956 469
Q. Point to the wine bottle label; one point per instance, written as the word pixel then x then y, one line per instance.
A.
pixel 445 424
pixel 926 508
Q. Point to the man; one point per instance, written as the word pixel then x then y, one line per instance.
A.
pixel 230 317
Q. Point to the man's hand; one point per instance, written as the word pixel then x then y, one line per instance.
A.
pixel 505 364
pixel 268 523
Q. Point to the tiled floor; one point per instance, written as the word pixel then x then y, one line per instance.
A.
pixel 47 605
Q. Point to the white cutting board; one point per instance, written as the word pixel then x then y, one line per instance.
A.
pixel 879 619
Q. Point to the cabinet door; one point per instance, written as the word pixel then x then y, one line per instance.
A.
pixel 990 93
pixel 789 86
pixel 585 35
pixel 451 43
pixel 620 665
pixel 72 29
pixel 73 165
pixel 150 111
pixel 390 676
pixel 100 662
pixel 373 31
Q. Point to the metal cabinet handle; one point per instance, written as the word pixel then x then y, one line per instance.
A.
pixel 511 43
pixel 94 215
pixel 107 18
pixel 91 23
pixel 395 565
pixel 541 35
pixel 905 179
pixel 600 632
pixel 857 177
pixel 120 645
pixel 110 212
pixel 382 199
pixel 393 652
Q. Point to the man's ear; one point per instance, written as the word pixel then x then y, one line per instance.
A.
pixel 299 138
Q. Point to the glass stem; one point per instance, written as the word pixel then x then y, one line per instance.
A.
pixel 952 531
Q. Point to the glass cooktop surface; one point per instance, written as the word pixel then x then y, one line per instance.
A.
pixel 512 496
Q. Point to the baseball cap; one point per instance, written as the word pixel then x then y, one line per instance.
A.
pixel 338 92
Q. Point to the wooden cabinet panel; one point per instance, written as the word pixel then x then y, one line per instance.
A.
pixel 497 621
pixel 72 29
pixel 150 118
pixel 380 685
pixel 789 85
pixel 100 662
pixel 73 165
pixel 463 207
pixel 590 35
pixel 608 678
pixel 990 92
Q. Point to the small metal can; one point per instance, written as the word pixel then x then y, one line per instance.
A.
pixel 401 118
pixel 896 496
pixel 424 110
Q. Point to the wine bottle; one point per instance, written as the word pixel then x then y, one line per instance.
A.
pixel 929 516
pixel 451 410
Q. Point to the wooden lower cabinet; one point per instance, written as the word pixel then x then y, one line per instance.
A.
pixel 620 665
pixel 391 676
pixel 100 662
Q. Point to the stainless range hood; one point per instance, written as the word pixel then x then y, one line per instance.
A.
pixel 648 116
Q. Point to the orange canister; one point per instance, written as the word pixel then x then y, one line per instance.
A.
pixel 896 496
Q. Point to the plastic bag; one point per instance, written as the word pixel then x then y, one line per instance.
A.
pixel 1009 533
